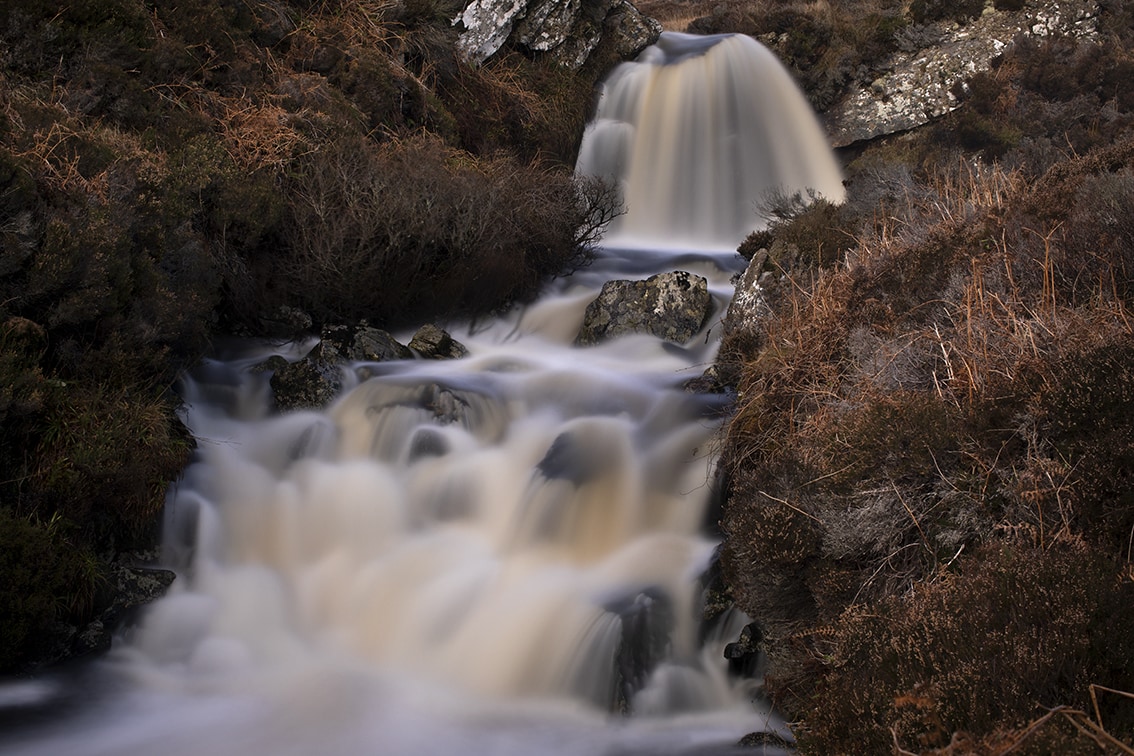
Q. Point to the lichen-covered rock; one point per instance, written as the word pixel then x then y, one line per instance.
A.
pixel 672 306
pixel 749 305
pixel 435 343
pixel 918 87
pixel 566 30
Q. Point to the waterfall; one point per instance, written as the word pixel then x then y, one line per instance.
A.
pixel 499 554
pixel 699 133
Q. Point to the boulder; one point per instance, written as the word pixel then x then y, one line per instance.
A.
pixel 434 343
pixel 130 587
pixel 672 306
pixel 317 379
pixel 647 624
pixel 749 305
pixel 917 87
pixel 566 30
pixel 306 384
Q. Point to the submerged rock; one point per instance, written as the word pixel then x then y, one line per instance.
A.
pixel 672 306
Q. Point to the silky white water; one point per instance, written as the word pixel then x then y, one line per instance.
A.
pixel 701 134
pixel 494 555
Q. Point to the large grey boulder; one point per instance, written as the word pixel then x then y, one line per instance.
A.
pixel 566 30
pixel 918 86
pixel 672 306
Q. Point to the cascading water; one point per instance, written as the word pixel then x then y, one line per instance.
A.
pixel 700 134
pixel 493 555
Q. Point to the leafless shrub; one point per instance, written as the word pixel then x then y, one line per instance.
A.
pixel 413 227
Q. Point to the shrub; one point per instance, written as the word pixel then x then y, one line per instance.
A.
pixel 410 228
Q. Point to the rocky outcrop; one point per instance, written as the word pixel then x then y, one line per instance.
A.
pixel 672 306
pixel 566 30
pixel 128 588
pixel 919 86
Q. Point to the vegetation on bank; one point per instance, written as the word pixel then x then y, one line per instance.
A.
pixel 930 505
pixel 171 171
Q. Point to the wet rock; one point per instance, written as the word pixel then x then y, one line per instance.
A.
pixel 745 655
pixel 917 87
pixel 631 31
pixel 766 741
pixel 647 622
pixel 434 343
pixel 130 587
pixel 306 384
pixel 317 379
pixel 672 306
pixel 566 30
pixel 340 344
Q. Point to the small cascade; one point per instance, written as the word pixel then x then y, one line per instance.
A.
pixel 699 133
pixel 499 554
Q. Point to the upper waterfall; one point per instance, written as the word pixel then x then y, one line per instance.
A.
pixel 698 133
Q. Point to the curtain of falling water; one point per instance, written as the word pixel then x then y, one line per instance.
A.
pixel 699 133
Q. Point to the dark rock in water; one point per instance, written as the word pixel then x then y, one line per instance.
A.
pixel 745 656
pixel 427 442
pixel 647 623
pixel 340 344
pixel 447 406
pixel 716 600
pixel 376 345
pixel 433 343
pixel 672 306
pixel 317 379
pixel 571 459
pixel 767 740
pixel 309 383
